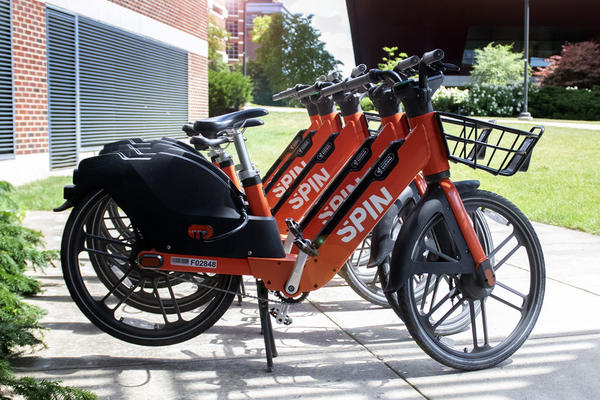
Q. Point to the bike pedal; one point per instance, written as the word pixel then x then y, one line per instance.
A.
pixel 280 316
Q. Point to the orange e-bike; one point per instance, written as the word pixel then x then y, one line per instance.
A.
pixel 159 237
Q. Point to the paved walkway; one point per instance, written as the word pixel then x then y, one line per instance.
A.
pixel 339 346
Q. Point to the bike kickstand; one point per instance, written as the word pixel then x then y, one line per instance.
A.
pixel 265 324
pixel 242 292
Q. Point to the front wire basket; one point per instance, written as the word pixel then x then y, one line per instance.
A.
pixel 496 149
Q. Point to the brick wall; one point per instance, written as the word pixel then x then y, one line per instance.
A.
pixel 190 16
pixel 197 86
pixel 29 77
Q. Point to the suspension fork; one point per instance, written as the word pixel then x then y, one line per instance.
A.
pixel 437 169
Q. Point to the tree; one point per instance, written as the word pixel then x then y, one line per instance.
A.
pixel 497 64
pixel 391 59
pixel 578 65
pixel 290 51
pixel 217 37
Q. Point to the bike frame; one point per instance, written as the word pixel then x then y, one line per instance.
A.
pixel 424 149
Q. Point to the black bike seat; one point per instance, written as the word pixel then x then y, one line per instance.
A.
pixel 211 126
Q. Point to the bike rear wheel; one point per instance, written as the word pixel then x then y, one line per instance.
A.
pixel 507 312
pixel 144 307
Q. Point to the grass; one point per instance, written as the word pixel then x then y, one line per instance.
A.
pixel 44 194
pixel 562 186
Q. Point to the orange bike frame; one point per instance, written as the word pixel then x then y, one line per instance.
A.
pixel 320 170
pixel 423 150
pixel 315 122
pixel 330 123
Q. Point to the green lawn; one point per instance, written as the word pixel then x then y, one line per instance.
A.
pixel 562 186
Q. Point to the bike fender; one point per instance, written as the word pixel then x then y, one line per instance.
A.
pixel 403 264
pixel 381 242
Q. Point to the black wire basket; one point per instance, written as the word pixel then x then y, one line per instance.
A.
pixel 499 150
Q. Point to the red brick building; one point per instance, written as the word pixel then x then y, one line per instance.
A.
pixel 237 30
pixel 76 74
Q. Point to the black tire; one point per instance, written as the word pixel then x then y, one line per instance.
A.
pixel 120 308
pixel 508 311
pixel 364 280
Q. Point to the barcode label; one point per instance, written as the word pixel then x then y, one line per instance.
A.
pixel 193 262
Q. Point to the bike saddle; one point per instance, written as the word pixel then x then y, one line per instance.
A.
pixel 211 126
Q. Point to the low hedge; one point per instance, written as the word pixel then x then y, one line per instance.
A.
pixel 565 103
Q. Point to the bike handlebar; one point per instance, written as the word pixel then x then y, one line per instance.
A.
pixel 432 56
pixel 406 63
pixel 358 70
pixel 285 94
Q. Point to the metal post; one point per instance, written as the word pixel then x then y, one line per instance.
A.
pixel 525 114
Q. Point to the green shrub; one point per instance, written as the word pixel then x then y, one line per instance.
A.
pixel 450 99
pixel 19 321
pixel 497 64
pixel 565 103
pixel 227 91
pixel 366 104
pixel 494 100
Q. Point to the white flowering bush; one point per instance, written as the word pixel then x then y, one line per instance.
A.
pixel 494 100
pixel 450 99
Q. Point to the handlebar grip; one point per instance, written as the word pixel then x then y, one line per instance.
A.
pixel 358 70
pixel 189 130
pixel 433 56
pixel 333 76
pixel 307 92
pixel 285 94
pixel 348 84
pixel 407 63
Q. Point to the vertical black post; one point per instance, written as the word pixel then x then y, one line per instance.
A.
pixel 525 114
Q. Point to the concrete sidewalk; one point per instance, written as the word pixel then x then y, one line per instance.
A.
pixel 339 346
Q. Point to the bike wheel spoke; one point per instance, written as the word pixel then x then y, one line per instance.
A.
pixel 473 323
pixel 502 244
pixel 433 296
pixel 484 322
pixel 140 283
pixel 109 240
pixel 442 301
pixel 425 291
pixel 514 291
pixel 440 254
pixel 117 284
pixel 106 254
pixel 448 313
pixel 160 303
pixel 507 303
pixel 175 304
pixel 509 255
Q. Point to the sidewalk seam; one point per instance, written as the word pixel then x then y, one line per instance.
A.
pixel 370 351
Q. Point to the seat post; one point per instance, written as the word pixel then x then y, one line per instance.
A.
pixel 250 178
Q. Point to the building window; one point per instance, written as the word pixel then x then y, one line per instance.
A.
pixel 6 106
pixel 232 51
pixel 232 28
pixel 217 10
pixel 233 6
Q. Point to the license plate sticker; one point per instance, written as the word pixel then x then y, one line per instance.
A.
pixel 193 262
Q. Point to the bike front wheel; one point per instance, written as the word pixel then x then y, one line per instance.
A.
pixel 499 319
